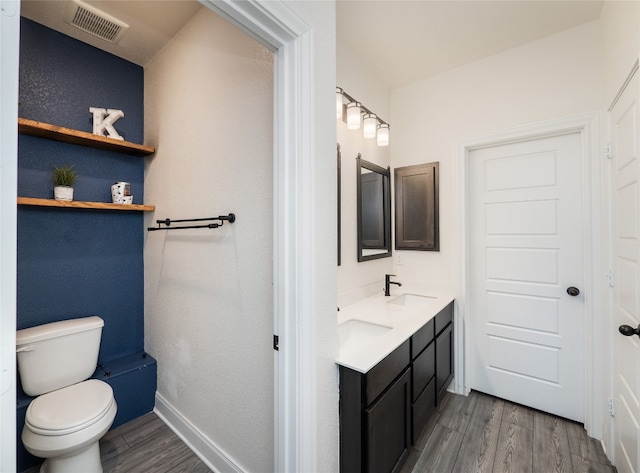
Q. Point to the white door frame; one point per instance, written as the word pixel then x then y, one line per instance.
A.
pixel 631 64
pixel 278 28
pixel 9 42
pixel 588 125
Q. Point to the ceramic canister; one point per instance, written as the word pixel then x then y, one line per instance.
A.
pixel 119 191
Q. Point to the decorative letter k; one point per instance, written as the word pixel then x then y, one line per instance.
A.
pixel 103 120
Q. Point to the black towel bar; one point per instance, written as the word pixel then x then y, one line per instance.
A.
pixel 167 223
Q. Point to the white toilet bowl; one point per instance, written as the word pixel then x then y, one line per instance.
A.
pixel 64 426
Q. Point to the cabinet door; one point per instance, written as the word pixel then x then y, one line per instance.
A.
pixel 423 408
pixel 389 427
pixel 417 222
pixel 424 367
pixel 444 361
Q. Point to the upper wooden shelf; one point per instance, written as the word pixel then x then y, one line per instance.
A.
pixel 68 135
pixel 77 204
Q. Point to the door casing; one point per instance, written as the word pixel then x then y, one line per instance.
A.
pixel 588 125
pixel 615 337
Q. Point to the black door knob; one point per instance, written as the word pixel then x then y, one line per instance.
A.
pixel 627 330
pixel 573 291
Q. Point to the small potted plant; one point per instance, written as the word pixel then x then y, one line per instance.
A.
pixel 63 178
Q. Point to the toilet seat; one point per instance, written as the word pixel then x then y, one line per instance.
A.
pixel 69 409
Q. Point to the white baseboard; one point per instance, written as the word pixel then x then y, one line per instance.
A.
pixel 216 459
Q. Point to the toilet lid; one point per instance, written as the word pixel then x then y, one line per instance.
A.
pixel 69 409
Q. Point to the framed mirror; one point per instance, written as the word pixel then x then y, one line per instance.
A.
pixel 373 189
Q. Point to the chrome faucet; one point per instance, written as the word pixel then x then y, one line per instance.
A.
pixel 387 282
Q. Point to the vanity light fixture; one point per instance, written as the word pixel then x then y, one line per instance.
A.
pixel 383 134
pixel 357 114
pixel 369 125
pixel 339 104
pixel 354 111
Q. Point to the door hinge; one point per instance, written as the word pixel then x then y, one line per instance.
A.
pixel 611 408
pixel 610 278
pixel 607 150
pixel 276 343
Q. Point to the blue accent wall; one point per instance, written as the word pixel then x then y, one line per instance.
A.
pixel 60 78
pixel 73 262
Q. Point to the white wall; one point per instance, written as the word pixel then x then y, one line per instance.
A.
pixel 620 26
pixel 554 77
pixel 357 280
pixel 208 293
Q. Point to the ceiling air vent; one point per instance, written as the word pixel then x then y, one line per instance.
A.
pixel 95 22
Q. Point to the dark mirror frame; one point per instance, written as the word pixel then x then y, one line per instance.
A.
pixel 385 245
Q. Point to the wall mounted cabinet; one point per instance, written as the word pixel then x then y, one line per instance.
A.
pixel 416 204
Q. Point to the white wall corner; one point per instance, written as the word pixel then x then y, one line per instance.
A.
pixel 213 456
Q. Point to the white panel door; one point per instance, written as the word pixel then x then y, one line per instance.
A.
pixel 526 250
pixel 623 127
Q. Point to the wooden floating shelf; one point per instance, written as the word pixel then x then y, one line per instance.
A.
pixel 76 204
pixel 77 137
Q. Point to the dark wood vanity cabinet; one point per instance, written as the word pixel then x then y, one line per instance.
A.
pixel 375 415
pixel 383 412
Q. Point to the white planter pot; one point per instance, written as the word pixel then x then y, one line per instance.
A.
pixel 63 193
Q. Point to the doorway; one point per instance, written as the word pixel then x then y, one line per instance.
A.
pixel 526 249
pixel 586 127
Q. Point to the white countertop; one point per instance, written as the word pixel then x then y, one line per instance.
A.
pixel 361 350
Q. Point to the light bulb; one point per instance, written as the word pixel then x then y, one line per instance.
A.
pixel 383 134
pixel 353 115
pixel 369 124
pixel 338 103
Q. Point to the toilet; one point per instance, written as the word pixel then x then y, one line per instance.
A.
pixel 70 414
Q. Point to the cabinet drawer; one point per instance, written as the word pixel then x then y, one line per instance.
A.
pixel 381 375
pixel 444 317
pixel 422 338
pixel 424 367
pixel 423 409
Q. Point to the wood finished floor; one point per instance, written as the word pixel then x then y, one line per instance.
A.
pixel 483 434
pixel 145 445
pixel 474 434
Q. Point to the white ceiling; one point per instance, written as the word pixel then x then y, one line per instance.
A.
pixel 151 23
pixel 403 41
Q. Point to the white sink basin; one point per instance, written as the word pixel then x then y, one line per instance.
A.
pixel 357 333
pixel 412 300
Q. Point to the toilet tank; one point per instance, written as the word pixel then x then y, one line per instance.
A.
pixel 58 354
